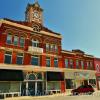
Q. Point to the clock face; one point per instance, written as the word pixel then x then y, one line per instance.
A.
pixel 36 15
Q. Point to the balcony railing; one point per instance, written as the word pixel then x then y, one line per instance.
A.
pixel 35 49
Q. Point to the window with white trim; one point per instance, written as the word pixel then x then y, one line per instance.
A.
pixel 22 41
pixel 82 64
pixel 9 39
pixel 19 60
pixel 66 63
pixel 71 63
pixel 35 43
pixel 55 62
pixel 15 40
pixel 48 61
pixel 8 57
pixel 35 60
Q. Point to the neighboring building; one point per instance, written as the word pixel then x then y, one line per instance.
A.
pixel 79 68
pixel 32 60
pixel 97 68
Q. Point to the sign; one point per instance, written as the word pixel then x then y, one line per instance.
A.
pixel 35 49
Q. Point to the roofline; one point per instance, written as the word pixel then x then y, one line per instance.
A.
pixel 70 52
pixel 27 28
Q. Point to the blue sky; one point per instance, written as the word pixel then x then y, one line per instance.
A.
pixel 77 20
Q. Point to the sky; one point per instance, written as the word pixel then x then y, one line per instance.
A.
pixel 77 20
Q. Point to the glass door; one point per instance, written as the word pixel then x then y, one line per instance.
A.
pixel 39 88
pixel 31 88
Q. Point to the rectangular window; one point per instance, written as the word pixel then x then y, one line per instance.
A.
pixel 69 83
pixel 91 65
pixel 66 63
pixel 47 47
pixel 15 40
pixel 82 64
pixel 35 60
pixel 56 48
pixel 55 62
pixel 71 63
pixel 22 41
pixel 48 61
pixel 9 39
pixel 8 57
pixel 77 63
pixel 19 60
pixel 87 64
pixel 52 47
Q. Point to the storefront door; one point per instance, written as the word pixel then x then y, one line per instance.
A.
pixel 32 88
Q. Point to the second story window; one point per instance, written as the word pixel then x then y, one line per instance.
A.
pixel 15 40
pixel 48 61
pixel 56 48
pixel 66 63
pixel 71 63
pixel 19 60
pixel 82 64
pixel 22 41
pixel 55 62
pixel 47 46
pixel 9 39
pixel 35 43
pixel 77 63
pixel 8 57
pixel 87 63
pixel 35 60
pixel 91 65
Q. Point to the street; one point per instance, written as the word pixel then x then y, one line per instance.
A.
pixel 58 97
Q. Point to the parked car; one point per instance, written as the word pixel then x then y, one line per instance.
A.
pixel 83 89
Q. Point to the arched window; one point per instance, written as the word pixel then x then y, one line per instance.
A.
pixel 32 77
pixel 35 43
pixel 39 76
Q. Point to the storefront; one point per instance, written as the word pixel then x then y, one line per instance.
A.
pixel 75 78
pixel 10 82
pixel 33 84
pixel 54 80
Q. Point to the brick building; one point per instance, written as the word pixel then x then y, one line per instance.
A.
pixel 32 60
pixel 97 68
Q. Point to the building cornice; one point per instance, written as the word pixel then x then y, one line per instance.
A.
pixel 68 52
pixel 2 21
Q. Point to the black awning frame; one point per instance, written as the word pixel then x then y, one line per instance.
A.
pixel 11 75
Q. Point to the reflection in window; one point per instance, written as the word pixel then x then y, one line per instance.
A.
pixel 22 41
pixel 35 43
pixel 77 63
pixel 66 63
pixel 55 62
pixel 71 63
pixel 9 39
pixel 82 64
pixel 47 47
pixel 48 61
pixel 8 57
pixel 19 59
pixel 15 40
pixel 35 60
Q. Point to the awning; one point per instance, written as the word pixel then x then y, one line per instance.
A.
pixel 11 75
pixel 55 76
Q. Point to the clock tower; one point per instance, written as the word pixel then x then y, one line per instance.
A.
pixel 33 13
